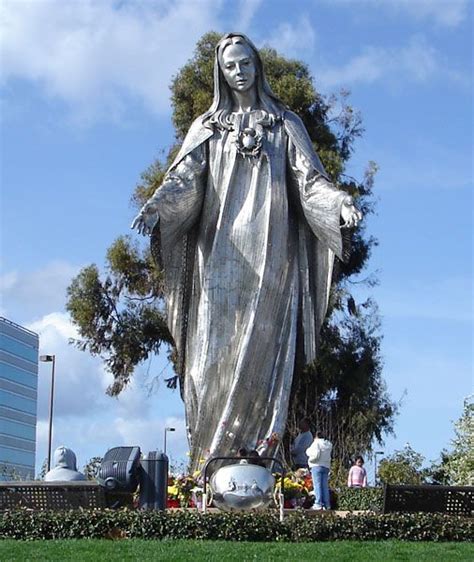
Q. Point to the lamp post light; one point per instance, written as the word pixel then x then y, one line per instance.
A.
pixel 164 439
pixel 375 465
pixel 50 359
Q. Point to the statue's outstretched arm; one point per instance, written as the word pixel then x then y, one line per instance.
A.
pixel 350 214
pixel 179 198
pixel 324 205
pixel 146 219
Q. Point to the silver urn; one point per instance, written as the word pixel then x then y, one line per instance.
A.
pixel 241 487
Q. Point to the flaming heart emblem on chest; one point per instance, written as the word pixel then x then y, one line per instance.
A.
pixel 249 142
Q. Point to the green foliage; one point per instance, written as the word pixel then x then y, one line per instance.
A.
pixel 91 468
pixel 359 499
pixel 8 472
pixel 403 467
pixel 43 470
pixel 93 524
pixel 438 472
pixel 117 316
pixel 120 316
pixel 460 462
pixel 151 180
pixel 456 467
pixel 343 392
pixel 338 473
pixel 192 87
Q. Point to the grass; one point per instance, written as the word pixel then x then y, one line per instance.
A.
pixel 135 549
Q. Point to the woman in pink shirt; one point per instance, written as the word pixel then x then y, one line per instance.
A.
pixel 357 474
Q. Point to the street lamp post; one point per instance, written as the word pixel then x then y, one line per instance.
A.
pixel 50 359
pixel 375 465
pixel 164 439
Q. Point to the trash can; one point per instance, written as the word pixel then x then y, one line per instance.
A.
pixel 154 481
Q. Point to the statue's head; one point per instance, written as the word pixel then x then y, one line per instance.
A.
pixel 231 48
pixel 64 458
pixel 237 62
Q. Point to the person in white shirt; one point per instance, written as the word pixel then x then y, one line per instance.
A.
pixel 302 441
pixel 319 460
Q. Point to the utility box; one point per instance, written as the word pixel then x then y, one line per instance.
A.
pixel 154 481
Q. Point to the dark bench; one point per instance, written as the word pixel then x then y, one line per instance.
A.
pixel 452 500
pixel 51 495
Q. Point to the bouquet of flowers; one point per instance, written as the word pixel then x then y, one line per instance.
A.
pixel 181 489
pixel 297 486
pixel 303 475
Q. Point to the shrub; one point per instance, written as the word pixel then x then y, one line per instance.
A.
pixel 403 467
pixel 43 525
pixel 359 499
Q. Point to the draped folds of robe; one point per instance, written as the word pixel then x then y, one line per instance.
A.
pixel 247 247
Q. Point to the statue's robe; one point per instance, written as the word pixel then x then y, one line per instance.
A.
pixel 247 247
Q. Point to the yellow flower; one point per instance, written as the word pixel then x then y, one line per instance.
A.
pixel 173 491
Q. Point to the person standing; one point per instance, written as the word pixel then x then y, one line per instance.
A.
pixel 302 442
pixel 357 474
pixel 319 460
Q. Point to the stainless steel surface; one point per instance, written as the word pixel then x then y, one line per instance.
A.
pixel 242 487
pixel 248 227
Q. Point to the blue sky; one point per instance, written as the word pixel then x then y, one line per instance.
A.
pixel 85 109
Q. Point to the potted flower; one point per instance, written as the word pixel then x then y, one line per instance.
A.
pixel 185 485
pixel 295 491
pixel 173 493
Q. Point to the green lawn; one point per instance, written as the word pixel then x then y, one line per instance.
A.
pixel 353 551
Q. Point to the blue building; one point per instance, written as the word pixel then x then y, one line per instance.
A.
pixel 18 398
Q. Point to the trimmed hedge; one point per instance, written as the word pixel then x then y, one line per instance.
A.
pixel 359 499
pixel 105 523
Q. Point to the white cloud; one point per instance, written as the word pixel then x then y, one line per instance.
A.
pixel 101 57
pixel 449 13
pixel 80 380
pixel 444 13
pixel 418 62
pixel 90 437
pixel 148 433
pixel 248 9
pixel 34 294
pixel 96 55
pixel 84 417
pixel 292 39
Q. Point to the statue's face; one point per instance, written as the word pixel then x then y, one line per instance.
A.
pixel 238 67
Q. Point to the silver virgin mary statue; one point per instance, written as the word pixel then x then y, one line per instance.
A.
pixel 247 224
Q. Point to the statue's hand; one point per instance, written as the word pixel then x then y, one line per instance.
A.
pixel 350 214
pixel 146 219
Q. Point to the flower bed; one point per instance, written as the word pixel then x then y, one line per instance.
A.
pixel 186 491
